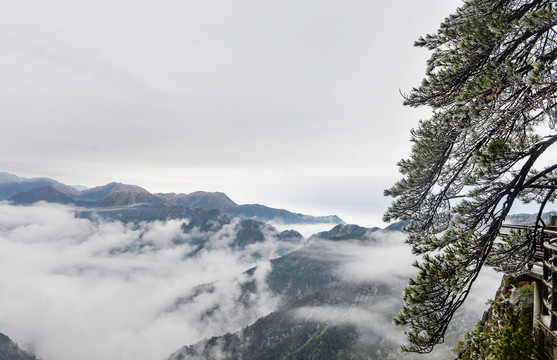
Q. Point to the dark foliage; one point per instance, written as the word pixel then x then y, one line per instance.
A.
pixel 492 85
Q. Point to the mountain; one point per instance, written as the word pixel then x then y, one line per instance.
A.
pixel 9 189
pixel 202 199
pixel 45 193
pixel 200 225
pixel 506 327
pixel 315 265
pixel 291 333
pixel 122 198
pixel 142 212
pixel 99 193
pixel 318 315
pixel 10 351
pixel 399 225
pixel 117 194
pixel 219 200
pixel 527 219
pixel 296 300
pixel 9 178
pixel 265 213
pixel 110 195
pixel 79 187
pixel 347 231
pixel 96 193
pixel 293 274
pixel 323 313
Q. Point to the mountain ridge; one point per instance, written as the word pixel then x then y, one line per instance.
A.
pixel 9 350
pixel 308 281
pixel 8 189
pixel 26 191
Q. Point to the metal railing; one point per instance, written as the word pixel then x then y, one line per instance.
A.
pixel 549 288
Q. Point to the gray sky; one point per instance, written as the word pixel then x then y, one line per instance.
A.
pixel 287 103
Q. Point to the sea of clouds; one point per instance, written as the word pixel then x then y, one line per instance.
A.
pixel 74 288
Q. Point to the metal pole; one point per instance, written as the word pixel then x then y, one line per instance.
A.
pixel 552 260
pixel 546 280
pixel 538 306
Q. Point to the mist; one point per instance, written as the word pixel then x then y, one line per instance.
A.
pixel 305 229
pixel 386 259
pixel 76 288
pixel 95 289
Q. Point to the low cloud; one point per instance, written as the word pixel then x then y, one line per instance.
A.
pixel 367 320
pixel 92 289
pixel 305 229
pixel 387 259
pixel 76 288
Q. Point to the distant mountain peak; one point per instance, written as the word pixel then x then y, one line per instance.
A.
pixel 10 350
pixel 202 199
pixel 44 193
pixel 9 178
pixel 79 187
pixel 346 232
pixel 9 189
pixel 98 193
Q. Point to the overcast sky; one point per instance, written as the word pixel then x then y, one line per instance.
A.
pixel 286 103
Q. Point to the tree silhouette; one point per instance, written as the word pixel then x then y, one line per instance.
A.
pixel 491 83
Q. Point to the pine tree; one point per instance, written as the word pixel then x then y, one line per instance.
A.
pixel 491 82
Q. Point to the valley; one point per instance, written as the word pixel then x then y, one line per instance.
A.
pixel 164 280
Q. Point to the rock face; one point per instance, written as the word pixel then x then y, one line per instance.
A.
pixel 10 351
pixel 506 328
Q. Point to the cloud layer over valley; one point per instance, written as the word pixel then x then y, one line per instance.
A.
pixel 75 288
pixel 386 261
pixel 79 288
